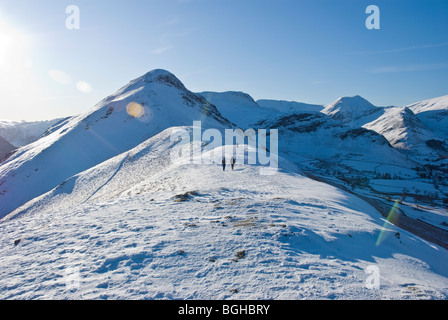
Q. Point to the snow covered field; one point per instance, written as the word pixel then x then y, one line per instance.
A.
pixel 227 235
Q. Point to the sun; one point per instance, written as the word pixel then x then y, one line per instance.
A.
pixel 18 84
pixel 14 46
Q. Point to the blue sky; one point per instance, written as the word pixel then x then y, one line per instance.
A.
pixel 311 51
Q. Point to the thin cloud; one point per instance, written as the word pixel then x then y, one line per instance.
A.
pixel 161 50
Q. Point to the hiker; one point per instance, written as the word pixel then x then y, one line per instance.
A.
pixel 223 164
pixel 232 162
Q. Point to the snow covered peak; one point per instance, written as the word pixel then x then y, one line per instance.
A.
pixel 158 72
pixel 440 103
pixel 349 108
pixel 395 118
pixel 141 109
pixel 153 81
pixel 401 127
pixel 163 77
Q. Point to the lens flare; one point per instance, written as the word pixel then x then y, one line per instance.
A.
pixel 135 109
pixel 84 87
pixel 391 218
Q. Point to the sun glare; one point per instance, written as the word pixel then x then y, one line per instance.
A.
pixel 18 86
pixel 13 49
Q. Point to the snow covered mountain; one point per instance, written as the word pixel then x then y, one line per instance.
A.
pixel 312 136
pixel 238 107
pixel 141 109
pixel 289 106
pixel 98 208
pixel 433 113
pixel 348 109
pixel 401 127
pixel 21 133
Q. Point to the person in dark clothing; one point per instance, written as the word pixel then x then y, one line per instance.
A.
pixel 223 164
pixel 232 162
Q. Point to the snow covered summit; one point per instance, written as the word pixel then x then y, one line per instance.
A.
pixel 141 109
pixel 401 127
pixel 348 109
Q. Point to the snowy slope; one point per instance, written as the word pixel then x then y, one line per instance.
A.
pixel 159 101
pixel 401 127
pixel 21 133
pixel 5 149
pixel 238 107
pixel 289 106
pixel 191 231
pixel 439 103
pixel 109 178
pixel 433 113
pixel 241 109
pixel 314 136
